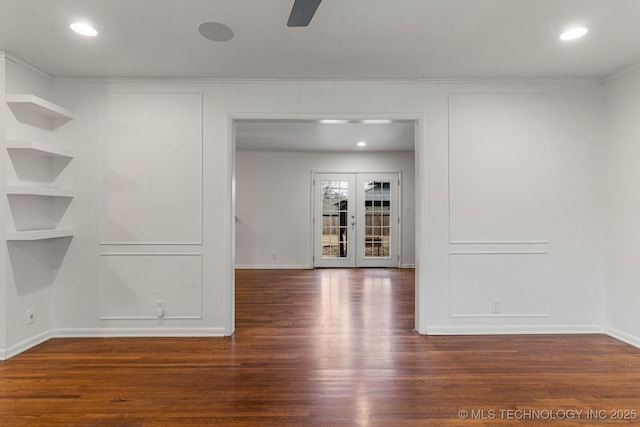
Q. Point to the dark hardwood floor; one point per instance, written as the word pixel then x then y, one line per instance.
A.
pixel 324 348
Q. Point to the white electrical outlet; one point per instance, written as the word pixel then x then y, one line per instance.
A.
pixel 160 308
pixel 495 306
pixel 274 257
pixel 31 316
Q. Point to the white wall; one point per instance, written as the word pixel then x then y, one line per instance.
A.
pixel 273 202
pixel 570 275
pixel 622 203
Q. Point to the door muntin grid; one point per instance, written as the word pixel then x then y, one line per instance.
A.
pixel 335 219
pixel 377 216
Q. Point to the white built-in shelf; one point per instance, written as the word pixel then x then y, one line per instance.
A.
pixel 38 105
pixel 38 191
pixel 40 148
pixel 38 234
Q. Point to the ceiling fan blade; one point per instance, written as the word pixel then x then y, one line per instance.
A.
pixel 302 12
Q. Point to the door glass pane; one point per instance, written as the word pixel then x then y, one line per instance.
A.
pixel 377 203
pixel 335 200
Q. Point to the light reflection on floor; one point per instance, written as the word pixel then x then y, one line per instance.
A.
pixel 354 315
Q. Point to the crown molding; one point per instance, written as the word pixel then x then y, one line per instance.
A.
pixel 27 65
pixel 621 72
pixel 213 80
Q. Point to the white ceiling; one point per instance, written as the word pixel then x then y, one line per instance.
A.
pixel 305 135
pixel 347 39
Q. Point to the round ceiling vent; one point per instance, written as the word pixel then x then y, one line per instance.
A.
pixel 215 31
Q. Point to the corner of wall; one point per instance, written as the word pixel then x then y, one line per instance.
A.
pixel 3 213
pixel 623 336
pixel 621 102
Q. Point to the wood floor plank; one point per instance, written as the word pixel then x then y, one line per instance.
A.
pixel 323 348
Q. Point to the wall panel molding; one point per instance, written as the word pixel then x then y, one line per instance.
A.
pixel 130 288
pixel 498 144
pixel 151 188
pixel 517 280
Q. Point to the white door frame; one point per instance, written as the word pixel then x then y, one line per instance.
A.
pixel 421 204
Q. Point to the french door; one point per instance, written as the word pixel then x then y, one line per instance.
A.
pixel 356 220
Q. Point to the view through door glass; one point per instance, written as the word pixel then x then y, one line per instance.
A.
pixel 377 203
pixel 335 218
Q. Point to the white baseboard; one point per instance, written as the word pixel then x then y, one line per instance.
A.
pixel 220 332
pixel 292 267
pixel 623 336
pixel 514 330
pixel 25 345
pixel 274 267
pixel 138 332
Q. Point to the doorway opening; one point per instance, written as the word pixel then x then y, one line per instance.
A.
pixel 276 158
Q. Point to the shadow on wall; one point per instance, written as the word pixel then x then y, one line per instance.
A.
pixel 34 264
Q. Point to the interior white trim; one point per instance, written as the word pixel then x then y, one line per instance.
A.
pixel 621 72
pixel 499 253
pixel 137 332
pixel 152 317
pixel 514 329
pixel 151 243
pixel 274 267
pixel 231 80
pixel 27 65
pixel 202 183
pixel 25 345
pixel 498 315
pixel 129 254
pixel 420 150
pixel 545 240
pixel 493 315
pixel 220 332
pixel 535 329
pixel 623 336
pixel 499 242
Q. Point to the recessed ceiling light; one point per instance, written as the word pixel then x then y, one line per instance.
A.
pixel 362 144
pixel 215 31
pixel 333 121
pixel 376 121
pixel 84 29
pixel 573 33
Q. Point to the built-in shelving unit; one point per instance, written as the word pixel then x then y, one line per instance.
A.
pixel 29 102
pixel 38 191
pixel 38 234
pixel 40 149
pixel 48 110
